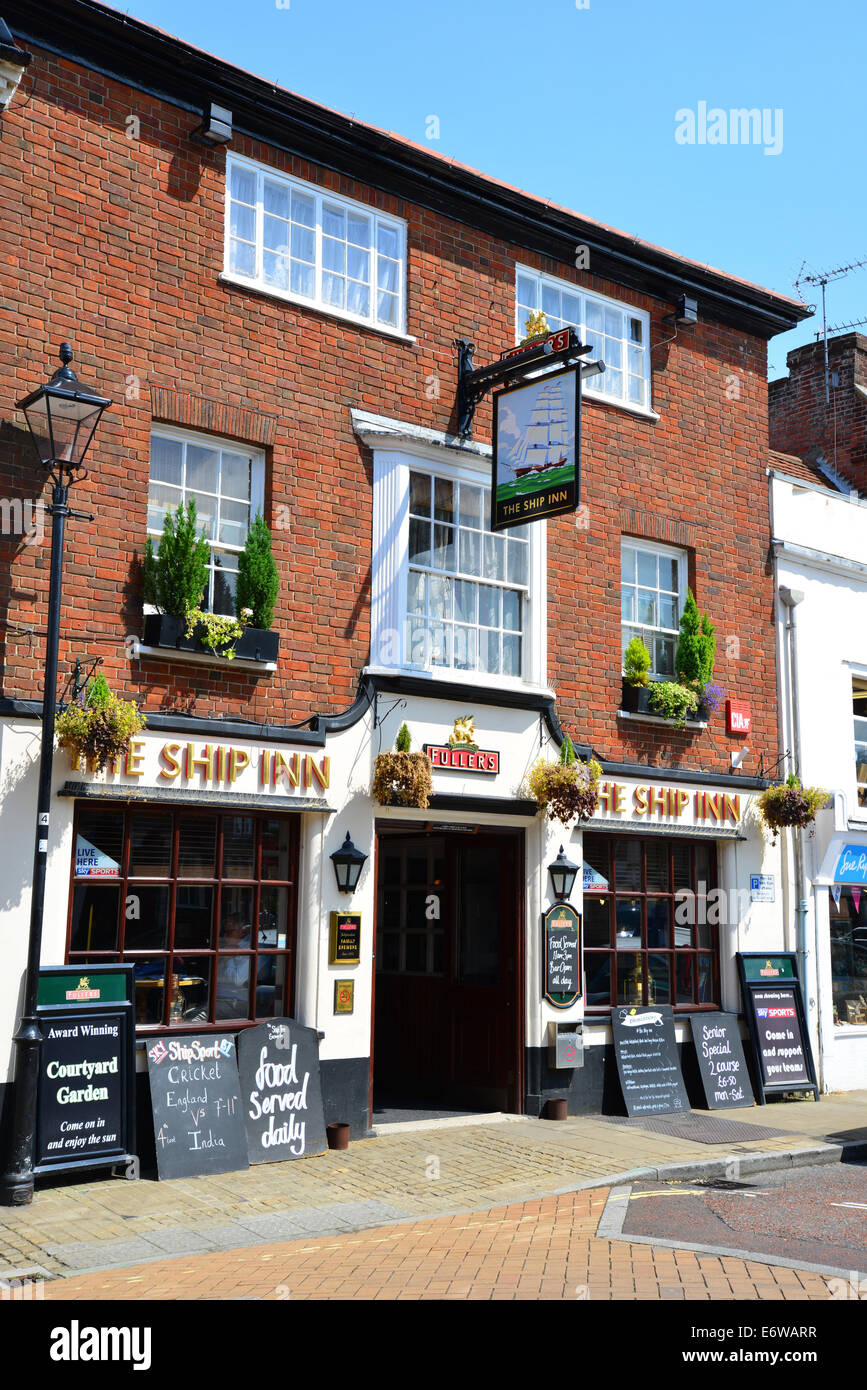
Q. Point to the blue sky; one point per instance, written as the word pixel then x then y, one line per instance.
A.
pixel 579 105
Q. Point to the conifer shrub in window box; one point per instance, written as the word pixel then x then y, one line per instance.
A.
pixel 177 577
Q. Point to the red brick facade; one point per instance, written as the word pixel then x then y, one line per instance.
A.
pixel 834 431
pixel 112 229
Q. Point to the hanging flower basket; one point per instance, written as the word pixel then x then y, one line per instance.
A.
pixel 98 727
pixel 789 805
pixel 402 779
pixel 565 791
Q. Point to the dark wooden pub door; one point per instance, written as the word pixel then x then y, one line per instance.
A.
pixel 447 1001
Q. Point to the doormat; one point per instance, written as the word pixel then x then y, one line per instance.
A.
pixel 704 1129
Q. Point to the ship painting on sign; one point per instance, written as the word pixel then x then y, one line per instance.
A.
pixel 535 439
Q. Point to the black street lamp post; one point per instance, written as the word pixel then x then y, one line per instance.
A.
pixel 62 417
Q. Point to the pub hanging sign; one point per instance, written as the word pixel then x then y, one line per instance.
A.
pixel 537 446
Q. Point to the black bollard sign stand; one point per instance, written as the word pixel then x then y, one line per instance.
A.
pixel 86 1100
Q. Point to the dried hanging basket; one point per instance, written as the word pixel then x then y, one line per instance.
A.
pixel 402 779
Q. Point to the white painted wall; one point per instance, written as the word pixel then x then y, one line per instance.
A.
pixel 821 549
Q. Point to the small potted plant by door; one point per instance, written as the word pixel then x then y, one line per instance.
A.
pixel 176 579
pixel 402 778
pixel 567 789
pixel 97 727
pixel 788 805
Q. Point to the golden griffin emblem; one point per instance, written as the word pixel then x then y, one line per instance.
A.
pixel 464 734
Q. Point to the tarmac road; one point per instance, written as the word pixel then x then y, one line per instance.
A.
pixel 818 1215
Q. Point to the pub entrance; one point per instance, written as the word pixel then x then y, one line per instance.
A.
pixel 447 989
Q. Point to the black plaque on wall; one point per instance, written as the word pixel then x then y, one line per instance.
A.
pixel 721 1061
pixel 561 933
pixel 196 1103
pixel 647 1062
pixel 281 1091
pixel 774 1007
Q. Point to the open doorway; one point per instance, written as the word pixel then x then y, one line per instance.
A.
pixel 447 987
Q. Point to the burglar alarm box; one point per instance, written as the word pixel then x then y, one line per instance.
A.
pixel 565 1045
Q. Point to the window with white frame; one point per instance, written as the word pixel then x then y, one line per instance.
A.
pixel 296 240
pixel 466 588
pixel 449 598
pixel 652 595
pixel 226 481
pixel 859 711
pixel 617 333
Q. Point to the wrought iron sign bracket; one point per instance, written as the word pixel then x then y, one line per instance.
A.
pixel 562 349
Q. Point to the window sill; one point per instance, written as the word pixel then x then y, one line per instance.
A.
pixel 204 659
pixel 225 278
pixel 658 719
pixel 461 680
pixel 640 410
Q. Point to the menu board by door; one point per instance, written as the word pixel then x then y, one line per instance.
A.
pixel 721 1061
pixel 196 1103
pixel 562 937
pixel 774 1006
pixel 647 1062
pixel 281 1090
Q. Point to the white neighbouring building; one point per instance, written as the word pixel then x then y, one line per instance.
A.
pixel 820 561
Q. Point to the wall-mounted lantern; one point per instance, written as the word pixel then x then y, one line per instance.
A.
pixel 348 863
pixel 562 876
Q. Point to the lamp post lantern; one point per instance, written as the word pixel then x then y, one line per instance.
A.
pixel 62 417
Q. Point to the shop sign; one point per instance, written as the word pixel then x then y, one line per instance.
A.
pixel 852 865
pixel 647 802
pixel 446 759
pixel 344 942
pixel 762 888
pixel 737 717
pixel 278 1062
pixel 196 1103
pixel 86 1103
pixel 777 1024
pixel 561 931
pixel 217 766
pixel 645 1048
pixel 537 440
pixel 721 1061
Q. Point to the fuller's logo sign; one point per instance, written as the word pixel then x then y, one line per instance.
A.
pixel 462 753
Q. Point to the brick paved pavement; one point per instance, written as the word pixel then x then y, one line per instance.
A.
pixel 400 1176
pixel 542 1249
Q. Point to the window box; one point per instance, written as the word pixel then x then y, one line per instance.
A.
pixel 255 645
pixel 635 699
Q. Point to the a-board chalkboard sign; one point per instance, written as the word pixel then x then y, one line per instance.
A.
pixel 85 1110
pixel 281 1091
pixel 196 1103
pixel 721 1061
pixel 647 1060
pixel 561 933
pixel 774 1007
